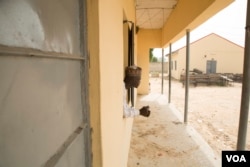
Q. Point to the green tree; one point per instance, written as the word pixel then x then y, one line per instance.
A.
pixel 151 55
pixel 152 58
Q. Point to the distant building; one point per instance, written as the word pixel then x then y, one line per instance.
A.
pixel 210 54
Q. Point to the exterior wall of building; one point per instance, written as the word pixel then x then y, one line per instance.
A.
pixel 178 63
pixel 229 56
pixel 111 132
pixel 107 52
pixel 157 67
pixel 146 39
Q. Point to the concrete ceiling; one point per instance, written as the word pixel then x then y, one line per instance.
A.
pixel 152 14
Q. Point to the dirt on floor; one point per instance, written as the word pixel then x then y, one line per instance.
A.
pixel 212 110
pixel 164 140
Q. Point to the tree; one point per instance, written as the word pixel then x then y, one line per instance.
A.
pixel 152 58
pixel 151 55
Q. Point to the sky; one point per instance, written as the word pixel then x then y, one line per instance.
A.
pixel 229 23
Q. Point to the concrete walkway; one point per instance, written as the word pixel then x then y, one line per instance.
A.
pixel 163 140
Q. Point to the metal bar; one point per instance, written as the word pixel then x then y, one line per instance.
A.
pixel 130 57
pixel 187 77
pixel 132 61
pixel 56 157
pixel 162 70
pixel 169 73
pixel 129 60
pixel 245 95
pixel 132 43
pixel 84 74
pixel 28 52
pixel 154 8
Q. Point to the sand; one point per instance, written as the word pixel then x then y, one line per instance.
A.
pixel 213 111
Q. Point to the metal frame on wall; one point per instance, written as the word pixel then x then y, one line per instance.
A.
pixel 84 127
pixel 84 82
pixel 130 58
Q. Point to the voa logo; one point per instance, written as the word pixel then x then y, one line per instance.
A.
pixel 236 158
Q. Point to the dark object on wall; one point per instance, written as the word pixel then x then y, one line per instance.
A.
pixel 130 56
pixel 133 76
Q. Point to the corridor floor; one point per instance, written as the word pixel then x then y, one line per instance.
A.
pixel 163 140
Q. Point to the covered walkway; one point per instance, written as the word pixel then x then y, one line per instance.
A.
pixel 167 142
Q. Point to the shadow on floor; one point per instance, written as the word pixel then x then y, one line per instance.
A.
pixel 163 140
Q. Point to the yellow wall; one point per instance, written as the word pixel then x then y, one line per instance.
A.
pixel 228 55
pixel 146 39
pixel 188 15
pixel 175 57
pixel 106 47
pixel 111 132
pixel 94 80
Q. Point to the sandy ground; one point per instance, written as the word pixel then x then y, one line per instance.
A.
pixel 213 111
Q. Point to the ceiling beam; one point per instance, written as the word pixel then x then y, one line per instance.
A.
pixel 189 15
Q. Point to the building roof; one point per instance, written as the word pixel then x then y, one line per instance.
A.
pixel 207 36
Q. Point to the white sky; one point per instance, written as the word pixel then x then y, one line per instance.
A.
pixel 229 23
